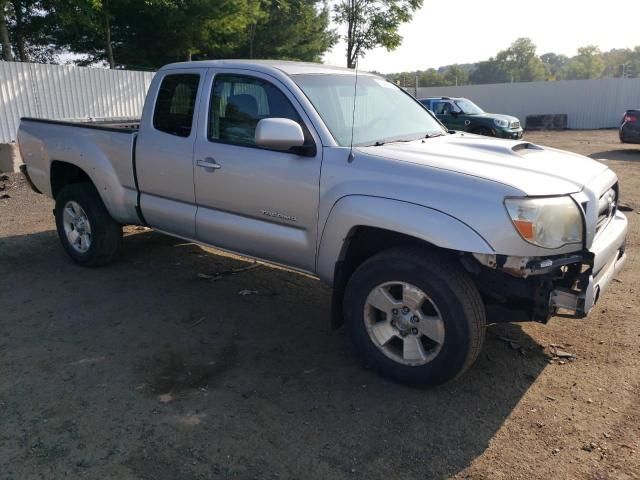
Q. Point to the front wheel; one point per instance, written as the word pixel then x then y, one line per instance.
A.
pixel 86 230
pixel 415 316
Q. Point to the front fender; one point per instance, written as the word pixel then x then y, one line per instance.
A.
pixel 432 226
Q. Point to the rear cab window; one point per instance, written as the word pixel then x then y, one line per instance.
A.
pixel 175 104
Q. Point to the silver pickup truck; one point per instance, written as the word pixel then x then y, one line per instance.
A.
pixel 425 235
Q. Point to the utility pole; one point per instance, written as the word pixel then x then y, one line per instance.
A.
pixel 416 95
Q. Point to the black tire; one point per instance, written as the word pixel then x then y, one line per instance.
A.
pixel 449 288
pixel 106 233
pixel 483 131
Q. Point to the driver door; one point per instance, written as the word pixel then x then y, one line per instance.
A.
pixel 252 200
pixel 449 114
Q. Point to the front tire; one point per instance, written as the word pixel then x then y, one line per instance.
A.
pixel 86 230
pixel 415 316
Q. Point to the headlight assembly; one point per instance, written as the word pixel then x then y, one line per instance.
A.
pixel 550 222
pixel 501 123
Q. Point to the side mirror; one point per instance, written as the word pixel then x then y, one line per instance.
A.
pixel 279 134
pixel 454 113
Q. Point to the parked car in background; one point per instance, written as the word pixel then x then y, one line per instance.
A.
pixel 630 127
pixel 463 115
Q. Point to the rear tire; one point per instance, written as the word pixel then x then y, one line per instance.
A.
pixel 415 316
pixel 86 230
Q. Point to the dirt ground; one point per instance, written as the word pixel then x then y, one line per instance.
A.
pixel 146 370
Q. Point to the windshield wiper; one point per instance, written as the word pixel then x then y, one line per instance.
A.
pixel 379 143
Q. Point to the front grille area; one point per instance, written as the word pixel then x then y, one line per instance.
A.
pixel 607 205
pixel 515 124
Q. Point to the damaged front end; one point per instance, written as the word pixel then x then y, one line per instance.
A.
pixel 517 289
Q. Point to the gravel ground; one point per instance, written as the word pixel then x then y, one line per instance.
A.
pixel 146 370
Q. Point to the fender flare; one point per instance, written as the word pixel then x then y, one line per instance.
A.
pixel 424 223
pixel 119 200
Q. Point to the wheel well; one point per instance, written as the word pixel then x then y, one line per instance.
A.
pixel 361 244
pixel 63 173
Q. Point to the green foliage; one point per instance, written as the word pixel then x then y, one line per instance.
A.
pixel 520 63
pixel 587 64
pixel 294 30
pixel 372 23
pixel 426 78
pixel 621 60
pixel 146 34
pixel 456 75
pixel 555 65
pixel 26 25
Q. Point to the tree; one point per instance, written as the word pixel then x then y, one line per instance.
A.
pixel 632 67
pixel 83 27
pixel 587 64
pixel 520 62
pixel 289 29
pixel 621 61
pixel 148 34
pixel 7 55
pixel 25 38
pixel 488 71
pixel 429 78
pixel 131 33
pixel 456 75
pixel 372 23
pixel 555 65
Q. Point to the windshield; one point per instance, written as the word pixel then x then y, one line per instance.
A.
pixel 468 107
pixel 383 112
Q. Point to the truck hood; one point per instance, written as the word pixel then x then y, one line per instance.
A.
pixel 530 168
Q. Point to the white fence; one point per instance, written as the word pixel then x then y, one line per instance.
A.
pixel 589 104
pixel 67 92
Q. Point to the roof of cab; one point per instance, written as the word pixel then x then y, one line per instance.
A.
pixel 287 67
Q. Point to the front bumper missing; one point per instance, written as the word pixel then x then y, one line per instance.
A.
pixel 608 258
pixel 537 288
pixel 568 303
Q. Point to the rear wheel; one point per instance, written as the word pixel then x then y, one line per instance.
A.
pixel 86 230
pixel 414 316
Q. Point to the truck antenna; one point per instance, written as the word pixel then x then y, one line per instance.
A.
pixel 353 114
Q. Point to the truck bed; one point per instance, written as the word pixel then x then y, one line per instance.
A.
pixel 102 149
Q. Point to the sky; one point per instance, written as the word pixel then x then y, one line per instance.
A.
pixel 466 31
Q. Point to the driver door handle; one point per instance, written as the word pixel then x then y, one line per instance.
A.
pixel 208 163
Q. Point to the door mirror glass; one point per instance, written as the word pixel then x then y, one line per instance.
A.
pixel 279 134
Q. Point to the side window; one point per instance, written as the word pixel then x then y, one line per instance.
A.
pixel 175 105
pixel 439 108
pixel 238 103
